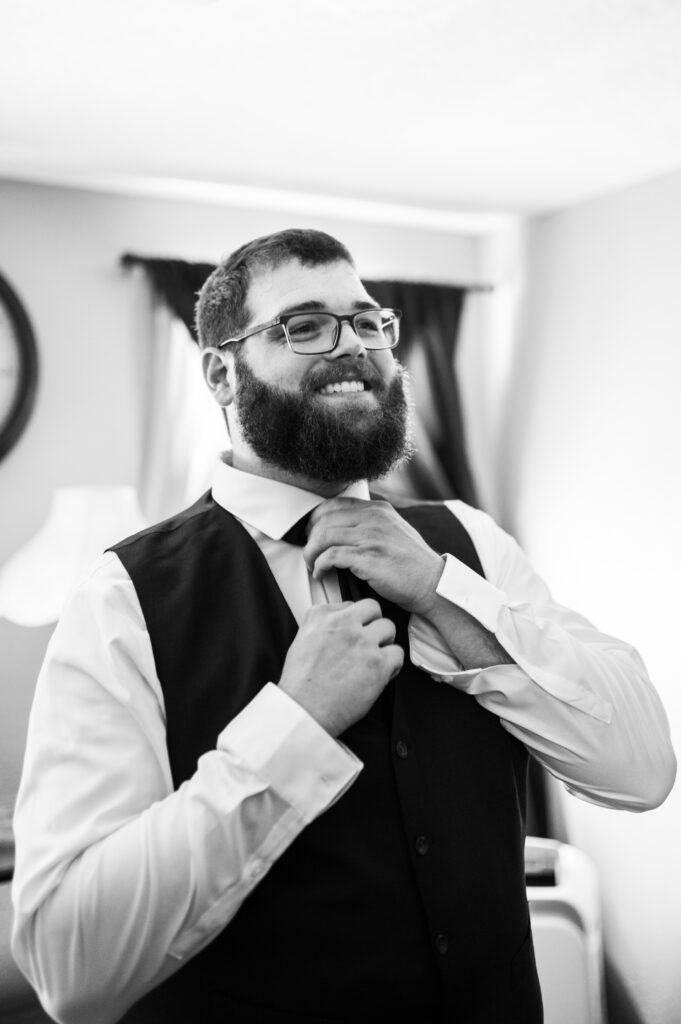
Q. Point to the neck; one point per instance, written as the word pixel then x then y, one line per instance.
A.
pixel 250 463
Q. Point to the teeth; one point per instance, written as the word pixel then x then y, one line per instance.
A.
pixel 342 386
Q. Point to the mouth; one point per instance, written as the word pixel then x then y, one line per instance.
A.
pixel 344 387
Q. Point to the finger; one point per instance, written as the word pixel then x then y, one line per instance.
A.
pixel 363 519
pixel 322 537
pixel 394 655
pixel 337 505
pixel 338 556
pixel 367 609
pixel 341 511
pixel 382 632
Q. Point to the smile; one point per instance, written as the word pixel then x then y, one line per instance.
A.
pixel 342 387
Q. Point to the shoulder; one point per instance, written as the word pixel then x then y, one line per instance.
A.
pixel 474 519
pixel 477 522
pixel 103 592
pixel 499 552
pixel 187 519
pixel 190 537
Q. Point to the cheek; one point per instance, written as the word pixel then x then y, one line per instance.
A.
pixel 273 365
pixel 385 363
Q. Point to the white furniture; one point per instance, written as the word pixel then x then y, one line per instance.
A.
pixel 563 893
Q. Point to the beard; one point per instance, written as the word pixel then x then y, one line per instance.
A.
pixel 300 433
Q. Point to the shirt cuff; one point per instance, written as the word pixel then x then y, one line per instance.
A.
pixel 278 740
pixel 472 592
pixel 428 651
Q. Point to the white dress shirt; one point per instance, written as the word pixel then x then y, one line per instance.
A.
pixel 119 877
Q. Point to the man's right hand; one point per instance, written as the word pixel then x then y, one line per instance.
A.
pixel 340 661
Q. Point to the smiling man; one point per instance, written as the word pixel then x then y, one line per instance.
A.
pixel 337 415
pixel 277 760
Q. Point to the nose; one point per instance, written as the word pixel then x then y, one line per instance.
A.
pixel 348 343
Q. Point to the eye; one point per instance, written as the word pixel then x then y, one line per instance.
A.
pixel 299 329
pixel 304 328
pixel 368 324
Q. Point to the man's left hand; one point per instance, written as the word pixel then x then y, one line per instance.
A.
pixel 377 545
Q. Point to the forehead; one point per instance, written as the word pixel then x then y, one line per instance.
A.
pixel 334 285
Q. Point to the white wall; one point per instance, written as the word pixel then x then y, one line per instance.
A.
pixel 589 481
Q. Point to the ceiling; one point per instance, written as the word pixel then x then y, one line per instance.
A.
pixel 433 105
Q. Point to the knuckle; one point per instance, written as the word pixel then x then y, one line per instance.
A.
pixel 371 606
pixel 316 613
pixel 380 510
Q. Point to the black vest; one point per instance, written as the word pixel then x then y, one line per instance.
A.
pixel 405 899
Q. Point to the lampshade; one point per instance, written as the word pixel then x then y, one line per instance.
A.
pixel 82 522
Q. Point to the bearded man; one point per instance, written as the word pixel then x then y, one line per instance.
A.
pixel 277 760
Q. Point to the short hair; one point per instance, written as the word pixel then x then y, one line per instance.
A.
pixel 221 308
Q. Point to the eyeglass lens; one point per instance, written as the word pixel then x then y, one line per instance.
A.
pixel 317 332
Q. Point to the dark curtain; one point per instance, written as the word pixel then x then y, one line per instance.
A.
pixel 176 282
pixel 431 314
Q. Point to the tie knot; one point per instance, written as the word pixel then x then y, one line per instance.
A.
pixel 297 534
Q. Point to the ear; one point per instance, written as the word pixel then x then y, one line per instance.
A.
pixel 218 371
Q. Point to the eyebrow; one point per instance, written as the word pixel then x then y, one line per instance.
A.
pixel 316 305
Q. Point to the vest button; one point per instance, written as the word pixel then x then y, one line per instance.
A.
pixel 421 845
pixel 401 749
pixel 441 943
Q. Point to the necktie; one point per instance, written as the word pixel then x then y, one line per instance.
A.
pixel 297 534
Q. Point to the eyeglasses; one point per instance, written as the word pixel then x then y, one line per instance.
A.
pixel 310 334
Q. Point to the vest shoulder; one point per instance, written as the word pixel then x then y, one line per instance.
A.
pixel 400 501
pixel 201 512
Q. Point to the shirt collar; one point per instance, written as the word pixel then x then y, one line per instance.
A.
pixel 270 506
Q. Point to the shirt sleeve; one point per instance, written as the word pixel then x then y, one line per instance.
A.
pixel 118 877
pixel 580 700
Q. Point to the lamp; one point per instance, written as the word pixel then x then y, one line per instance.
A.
pixel 81 523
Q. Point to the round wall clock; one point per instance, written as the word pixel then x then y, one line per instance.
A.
pixel 18 367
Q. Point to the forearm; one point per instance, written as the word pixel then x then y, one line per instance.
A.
pixel 473 646
pixel 129 907
pixel 620 758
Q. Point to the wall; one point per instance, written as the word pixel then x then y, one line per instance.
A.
pixel 590 483
pixel 60 248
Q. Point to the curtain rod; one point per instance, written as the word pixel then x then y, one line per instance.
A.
pixel 129 259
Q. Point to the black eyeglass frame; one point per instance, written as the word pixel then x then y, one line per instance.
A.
pixel 340 318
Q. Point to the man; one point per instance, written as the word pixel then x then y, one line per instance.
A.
pixel 246 799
